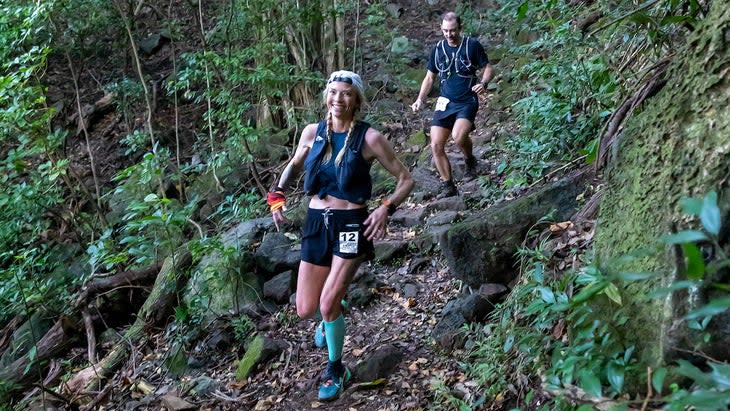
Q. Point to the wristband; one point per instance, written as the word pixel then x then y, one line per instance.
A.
pixel 276 200
pixel 391 207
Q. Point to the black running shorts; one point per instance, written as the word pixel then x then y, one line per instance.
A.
pixel 446 118
pixel 328 232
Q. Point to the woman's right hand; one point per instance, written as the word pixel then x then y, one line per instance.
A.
pixel 278 217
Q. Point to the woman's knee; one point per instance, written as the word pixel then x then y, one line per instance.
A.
pixel 330 307
pixel 305 308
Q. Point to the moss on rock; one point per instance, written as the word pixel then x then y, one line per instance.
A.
pixel 250 358
pixel 677 147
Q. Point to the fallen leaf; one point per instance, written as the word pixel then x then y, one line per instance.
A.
pixel 561 226
pixel 370 384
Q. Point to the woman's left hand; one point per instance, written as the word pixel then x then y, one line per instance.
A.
pixel 376 224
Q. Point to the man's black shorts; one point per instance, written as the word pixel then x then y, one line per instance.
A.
pixel 329 232
pixel 447 118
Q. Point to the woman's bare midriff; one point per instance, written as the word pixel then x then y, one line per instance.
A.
pixel 333 203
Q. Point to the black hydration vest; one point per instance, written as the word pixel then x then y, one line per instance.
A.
pixel 350 180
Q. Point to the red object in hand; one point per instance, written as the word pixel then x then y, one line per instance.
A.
pixel 276 200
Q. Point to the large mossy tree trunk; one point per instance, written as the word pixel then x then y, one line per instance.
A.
pixel 678 147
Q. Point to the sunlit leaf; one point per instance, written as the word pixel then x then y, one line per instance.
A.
pixel 714 307
pixel 522 10
pixel 591 150
pixel 691 206
pixel 613 293
pixel 695 265
pixel 687 236
pixel 590 383
pixel 710 214
pixel 546 294
pixel 508 343
pixel 657 379
pixel 615 374
pixel 633 276
pixel 721 375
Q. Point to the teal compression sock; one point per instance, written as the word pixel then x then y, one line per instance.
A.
pixel 335 334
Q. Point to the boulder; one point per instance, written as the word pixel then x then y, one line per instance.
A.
pixel 379 364
pixel 225 281
pixel 481 248
pixel 280 287
pixel 277 253
pixel 260 350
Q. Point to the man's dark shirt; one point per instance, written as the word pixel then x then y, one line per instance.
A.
pixel 457 67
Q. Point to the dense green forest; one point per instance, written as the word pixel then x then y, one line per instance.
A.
pixel 135 133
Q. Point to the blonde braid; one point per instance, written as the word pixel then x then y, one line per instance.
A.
pixel 328 147
pixel 341 154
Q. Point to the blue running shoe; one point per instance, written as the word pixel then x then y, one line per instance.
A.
pixel 320 340
pixel 334 379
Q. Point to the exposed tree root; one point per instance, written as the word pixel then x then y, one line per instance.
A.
pixel 619 117
pixel 156 308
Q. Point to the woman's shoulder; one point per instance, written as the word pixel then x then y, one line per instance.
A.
pixel 309 133
pixel 372 135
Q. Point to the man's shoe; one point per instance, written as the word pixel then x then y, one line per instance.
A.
pixel 447 189
pixel 334 379
pixel 471 169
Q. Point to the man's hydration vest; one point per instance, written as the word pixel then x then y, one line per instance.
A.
pixel 351 178
pixel 460 61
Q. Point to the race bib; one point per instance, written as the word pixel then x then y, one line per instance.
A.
pixel 441 103
pixel 348 242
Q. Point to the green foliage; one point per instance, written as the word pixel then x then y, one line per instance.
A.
pixel 243 328
pixel 31 186
pixel 87 35
pixel 243 207
pixel 573 92
pixel 286 318
pixel 525 338
pixel 255 58
pixel 567 83
pixel 128 99
pixel 154 225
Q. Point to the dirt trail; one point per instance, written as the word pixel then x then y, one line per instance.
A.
pixel 405 308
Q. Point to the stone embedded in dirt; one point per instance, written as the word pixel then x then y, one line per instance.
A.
pixel 361 290
pixel 443 217
pixel 409 217
pixel 260 350
pixel 173 403
pixel 386 250
pixel 380 364
pixel 493 292
pixel 410 290
pixel 455 203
